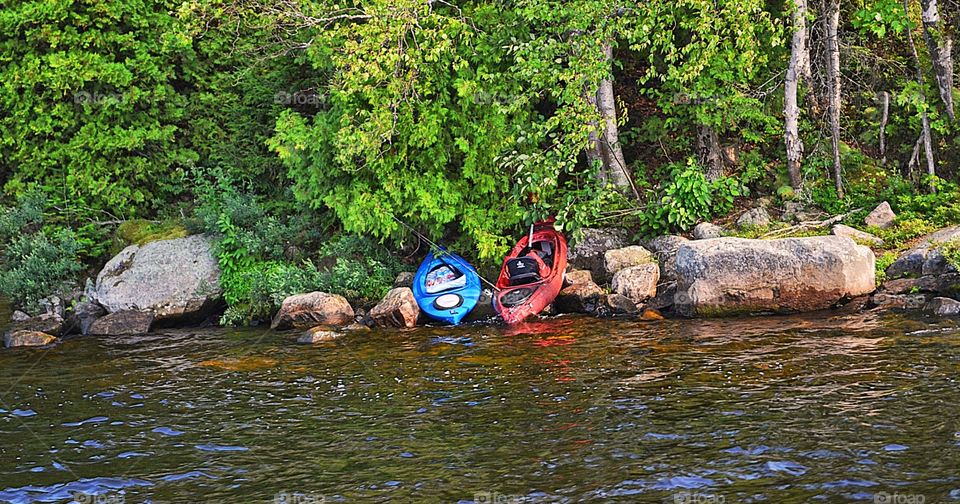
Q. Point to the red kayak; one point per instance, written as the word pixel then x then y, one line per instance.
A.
pixel 532 274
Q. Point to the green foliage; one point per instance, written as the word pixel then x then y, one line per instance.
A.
pixel 883 262
pixel 689 198
pixel 951 252
pixel 881 16
pixel 35 262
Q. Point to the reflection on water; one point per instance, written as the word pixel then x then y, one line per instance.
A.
pixel 777 409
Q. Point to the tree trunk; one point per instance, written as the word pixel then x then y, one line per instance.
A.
pixel 594 151
pixel 614 163
pixel 791 112
pixel 833 87
pixel 708 152
pixel 925 121
pixel 940 46
pixel 885 101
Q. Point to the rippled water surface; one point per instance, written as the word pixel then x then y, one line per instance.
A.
pixel 784 409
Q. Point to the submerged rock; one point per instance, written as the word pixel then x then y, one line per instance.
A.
pixel 857 235
pixel 944 307
pixel 707 231
pixel 319 334
pixel 311 309
pixel 122 323
pixel 174 280
pixel 23 338
pixel 881 217
pixel 50 323
pixel 626 257
pixel 397 309
pixel 587 253
pixel 615 304
pixel 651 314
pixel 882 301
pixel 582 297
pixel 638 283
pixel 734 276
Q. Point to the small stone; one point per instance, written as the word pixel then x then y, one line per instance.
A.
pixel 899 301
pixel 356 327
pixel 881 217
pixel 19 316
pixel 618 259
pixel 574 277
pixel 579 298
pixel 707 231
pixel 319 334
pixel 404 279
pixel 27 338
pixel 651 314
pixel 754 218
pixel 857 235
pixel 122 323
pixel 944 307
pixel 638 283
pixel 397 309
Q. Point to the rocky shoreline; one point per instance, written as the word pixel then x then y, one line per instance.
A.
pixel 173 283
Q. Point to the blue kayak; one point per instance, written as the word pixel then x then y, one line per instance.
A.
pixel 446 287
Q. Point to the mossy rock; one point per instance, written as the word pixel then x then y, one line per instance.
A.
pixel 141 232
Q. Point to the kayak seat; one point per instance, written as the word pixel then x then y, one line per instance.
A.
pixel 523 270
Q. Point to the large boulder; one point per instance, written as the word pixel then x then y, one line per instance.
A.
pixel 122 323
pixel 583 297
pixel 587 252
pixel 881 217
pixel 925 258
pixel 622 258
pixel 638 283
pixel 734 276
pixel 304 311
pixel 397 309
pixel 173 280
pixel 22 338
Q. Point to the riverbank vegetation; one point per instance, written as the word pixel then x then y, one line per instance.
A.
pixel 302 132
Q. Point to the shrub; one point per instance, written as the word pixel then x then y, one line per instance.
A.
pixel 689 198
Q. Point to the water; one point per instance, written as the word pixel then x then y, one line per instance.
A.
pixel 785 409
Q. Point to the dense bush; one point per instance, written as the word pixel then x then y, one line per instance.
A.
pixel 35 262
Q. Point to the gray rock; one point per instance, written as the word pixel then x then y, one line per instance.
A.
pixel 25 338
pixel 175 280
pixel 587 252
pixel 944 307
pixel 579 298
pixel 319 334
pixel 311 309
pixel 397 309
pixel 946 284
pixel 484 309
pixel 883 301
pixel 621 258
pixel 924 258
pixel 665 298
pixel 637 283
pixel 754 218
pixel 881 217
pixel 356 327
pixel 856 235
pixel 49 323
pixel 707 231
pixel 735 276
pixel 53 305
pixel 665 249
pixel 404 279
pixel 84 315
pixel 122 323
pixel 615 304
pixel 19 316
pixel 794 211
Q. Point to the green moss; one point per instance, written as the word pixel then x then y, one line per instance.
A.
pixel 141 232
